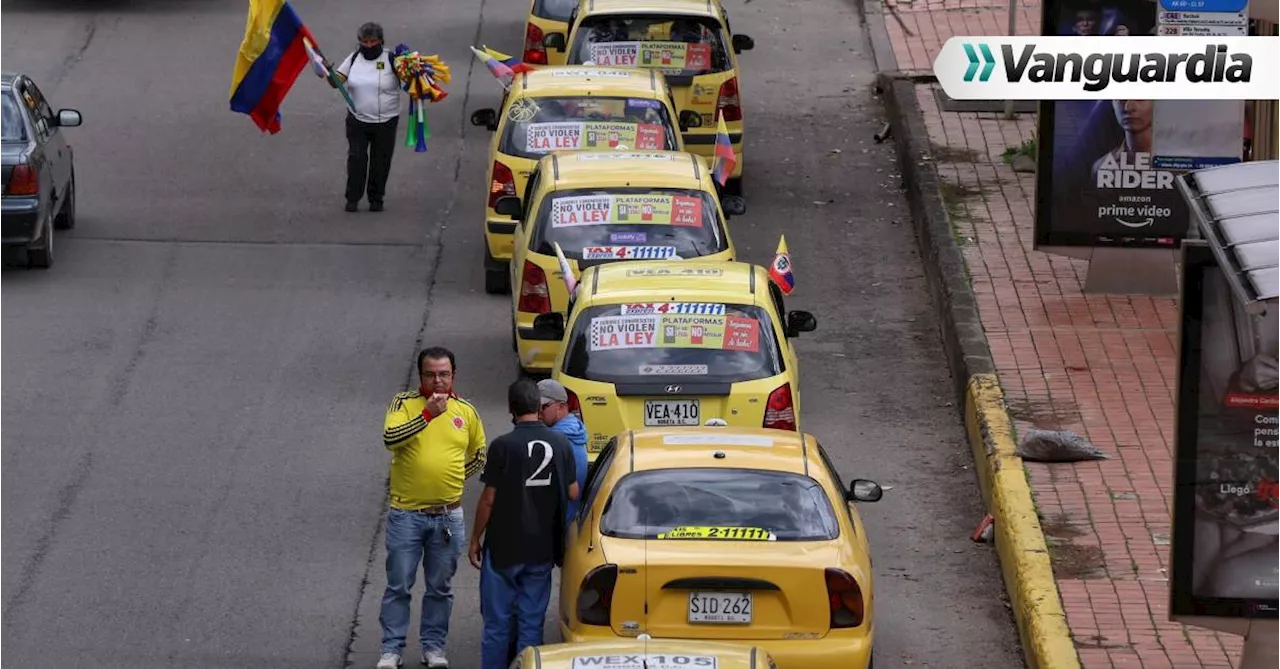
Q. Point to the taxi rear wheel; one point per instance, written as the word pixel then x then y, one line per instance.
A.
pixel 734 186
pixel 496 281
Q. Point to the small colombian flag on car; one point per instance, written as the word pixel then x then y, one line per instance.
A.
pixel 780 269
pixel 725 160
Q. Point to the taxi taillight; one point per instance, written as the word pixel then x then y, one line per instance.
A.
pixel 504 183
pixel 535 297
pixel 595 599
pixel 534 52
pixel 23 180
pixel 779 411
pixel 729 104
pixel 844 598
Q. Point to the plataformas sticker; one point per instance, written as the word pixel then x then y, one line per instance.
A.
pixel 644 661
pixel 732 533
pixel 646 209
pixel 591 136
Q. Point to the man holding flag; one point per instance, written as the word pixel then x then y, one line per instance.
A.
pixel 372 121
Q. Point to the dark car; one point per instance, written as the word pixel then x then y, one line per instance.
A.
pixel 39 172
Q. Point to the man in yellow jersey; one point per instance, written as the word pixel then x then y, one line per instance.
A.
pixel 436 442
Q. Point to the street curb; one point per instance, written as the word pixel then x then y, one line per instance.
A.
pixel 1019 539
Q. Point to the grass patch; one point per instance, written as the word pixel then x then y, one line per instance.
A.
pixel 1027 148
pixel 954 196
pixel 955 154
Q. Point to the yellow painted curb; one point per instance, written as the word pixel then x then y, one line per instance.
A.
pixel 1024 555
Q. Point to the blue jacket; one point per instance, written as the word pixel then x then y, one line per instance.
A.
pixel 572 428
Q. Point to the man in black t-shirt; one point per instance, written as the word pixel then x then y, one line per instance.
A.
pixel 529 479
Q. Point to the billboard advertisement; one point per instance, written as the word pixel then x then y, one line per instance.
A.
pixel 1106 168
pixel 1225 523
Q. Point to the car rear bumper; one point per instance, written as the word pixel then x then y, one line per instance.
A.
pixel 499 234
pixel 20 220
pixel 829 652
pixel 537 351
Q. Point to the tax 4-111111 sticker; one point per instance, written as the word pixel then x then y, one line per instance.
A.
pixel 628 252
pixel 699 308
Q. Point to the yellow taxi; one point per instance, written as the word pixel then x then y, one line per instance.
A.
pixel 723 534
pixel 566 109
pixel 601 208
pixel 687 40
pixel 545 30
pixel 661 343
pixel 643 653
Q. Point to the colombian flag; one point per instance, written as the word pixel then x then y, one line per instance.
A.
pixel 271 57
pixel 725 160
pixel 510 61
pixel 780 269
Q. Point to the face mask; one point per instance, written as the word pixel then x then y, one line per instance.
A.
pixel 371 52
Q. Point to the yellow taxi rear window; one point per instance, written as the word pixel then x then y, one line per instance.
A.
pixel 678 46
pixel 706 342
pixel 628 224
pixel 714 504
pixel 538 126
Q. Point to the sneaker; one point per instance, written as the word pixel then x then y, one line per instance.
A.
pixel 353 206
pixel 390 661
pixel 435 659
pixel 375 206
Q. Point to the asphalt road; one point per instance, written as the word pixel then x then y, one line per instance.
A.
pixel 192 396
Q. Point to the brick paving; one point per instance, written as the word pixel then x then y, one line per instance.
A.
pixel 1103 366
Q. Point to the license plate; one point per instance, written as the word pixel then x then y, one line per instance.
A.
pixel 669 413
pixel 720 607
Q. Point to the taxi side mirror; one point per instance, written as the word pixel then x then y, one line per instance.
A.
pixel 551 325
pixel 743 43
pixel 509 205
pixel 554 41
pixel 800 321
pixel 485 118
pixel 733 205
pixel 864 490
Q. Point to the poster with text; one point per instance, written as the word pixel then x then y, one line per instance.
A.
pixel 1097 182
pixel 1226 522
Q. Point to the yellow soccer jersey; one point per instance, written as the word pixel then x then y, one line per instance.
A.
pixel 431 459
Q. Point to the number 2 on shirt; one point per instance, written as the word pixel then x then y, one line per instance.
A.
pixel 534 481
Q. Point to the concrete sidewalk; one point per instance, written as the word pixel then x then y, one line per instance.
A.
pixel 1102 366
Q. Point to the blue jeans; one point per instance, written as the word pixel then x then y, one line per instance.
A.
pixel 414 538
pixel 521 592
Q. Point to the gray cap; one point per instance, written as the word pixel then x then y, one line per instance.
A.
pixel 550 390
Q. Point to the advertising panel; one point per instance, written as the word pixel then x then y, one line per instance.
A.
pixel 1098 181
pixel 1225 508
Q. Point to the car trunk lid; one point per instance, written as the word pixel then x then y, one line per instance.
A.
pixel 664 583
